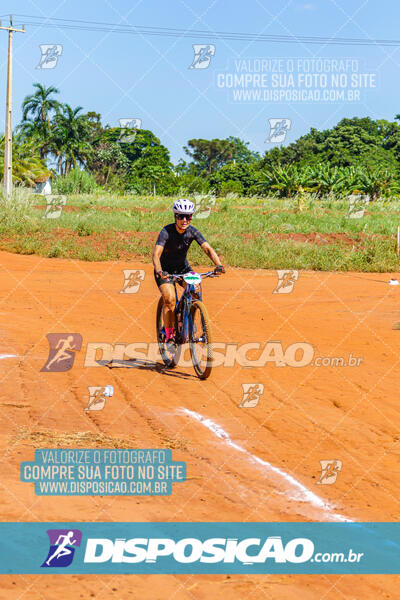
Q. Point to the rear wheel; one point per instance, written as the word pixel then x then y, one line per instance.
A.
pixel 200 342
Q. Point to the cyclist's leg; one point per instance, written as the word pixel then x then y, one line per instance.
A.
pixel 168 295
pixel 167 292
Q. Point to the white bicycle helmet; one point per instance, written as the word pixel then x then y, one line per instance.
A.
pixel 183 206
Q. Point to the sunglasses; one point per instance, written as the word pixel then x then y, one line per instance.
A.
pixel 181 217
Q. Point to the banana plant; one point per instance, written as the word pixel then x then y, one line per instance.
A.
pixel 375 182
pixel 287 181
pixel 326 179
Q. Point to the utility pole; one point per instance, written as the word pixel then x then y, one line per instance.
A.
pixel 8 128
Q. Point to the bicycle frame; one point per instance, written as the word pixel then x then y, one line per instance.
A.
pixel 183 304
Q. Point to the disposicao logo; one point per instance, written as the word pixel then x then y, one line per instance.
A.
pixel 62 547
pixel 191 550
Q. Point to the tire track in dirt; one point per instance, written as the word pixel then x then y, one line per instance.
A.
pixel 155 421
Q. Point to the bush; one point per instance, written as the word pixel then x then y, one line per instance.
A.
pixel 84 229
pixel 191 184
pixel 76 182
pixel 231 187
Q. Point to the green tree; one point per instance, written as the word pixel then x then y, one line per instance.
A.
pixel 241 151
pixel 134 149
pixel 305 151
pixel 27 164
pixel 37 111
pixel 95 127
pixel 210 155
pixel 243 173
pixel 356 141
pixel 350 140
pixel 231 187
pixel 70 138
pixel 108 163
pixel 137 164
pixel 153 167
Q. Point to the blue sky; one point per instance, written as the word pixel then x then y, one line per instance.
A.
pixel 135 76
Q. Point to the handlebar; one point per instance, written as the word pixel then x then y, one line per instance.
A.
pixel 203 275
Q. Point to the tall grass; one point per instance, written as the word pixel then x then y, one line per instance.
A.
pixel 16 211
pixel 247 232
pixel 76 182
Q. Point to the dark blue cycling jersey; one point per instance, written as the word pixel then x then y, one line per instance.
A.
pixel 176 245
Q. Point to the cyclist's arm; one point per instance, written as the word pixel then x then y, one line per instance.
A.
pixel 158 250
pixel 211 253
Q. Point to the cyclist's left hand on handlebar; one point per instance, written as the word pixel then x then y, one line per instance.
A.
pixel 219 269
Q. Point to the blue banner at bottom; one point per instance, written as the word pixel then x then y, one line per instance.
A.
pixel 204 548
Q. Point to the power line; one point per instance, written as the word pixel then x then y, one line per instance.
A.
pixel 237 37
pixel 142 30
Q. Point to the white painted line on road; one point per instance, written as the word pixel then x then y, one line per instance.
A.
pixel 303 494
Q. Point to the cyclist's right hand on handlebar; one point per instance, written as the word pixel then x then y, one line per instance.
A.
pixel 219 269
pixel 163 274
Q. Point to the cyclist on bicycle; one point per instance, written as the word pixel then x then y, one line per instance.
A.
pixel 169 256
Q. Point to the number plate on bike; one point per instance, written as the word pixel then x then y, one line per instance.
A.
pixel 192 278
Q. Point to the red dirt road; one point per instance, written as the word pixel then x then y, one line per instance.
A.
pixel 306 414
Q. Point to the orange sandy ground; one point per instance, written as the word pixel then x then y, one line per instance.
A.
pixel 305 414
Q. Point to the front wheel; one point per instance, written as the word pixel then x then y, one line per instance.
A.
pixel 171 352
pixel 200 341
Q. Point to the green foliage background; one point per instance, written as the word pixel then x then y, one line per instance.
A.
pixel 357 154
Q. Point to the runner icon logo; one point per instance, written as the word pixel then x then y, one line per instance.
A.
pixel 251 394
pixel 133 279
pixel 98 395
pixel 203 54
pixel 329 471
pixel 357 206
pixel 50 55
pixel 63 543
pixel 203 205
pixel 129 129
pixel 62 351
pixel 54 206
pixel 278 129
pixel 286 281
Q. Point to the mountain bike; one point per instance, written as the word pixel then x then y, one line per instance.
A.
pixel 191 324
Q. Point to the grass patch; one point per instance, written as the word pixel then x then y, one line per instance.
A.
pixel 254 232
pixel 49 438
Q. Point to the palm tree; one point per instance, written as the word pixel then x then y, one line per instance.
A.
pixel 70 138
pixel 40 104
pixel 27 164
pixel 36 115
